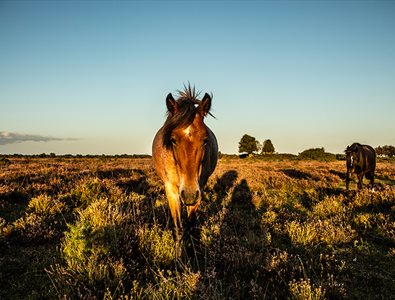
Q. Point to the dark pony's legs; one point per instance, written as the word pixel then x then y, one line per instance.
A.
pixel 370 176
pixel 360 181
pixel 348 179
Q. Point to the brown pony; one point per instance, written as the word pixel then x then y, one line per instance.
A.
pixel 361 160
pixel 185 153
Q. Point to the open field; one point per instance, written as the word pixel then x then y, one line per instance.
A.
pixel 100 228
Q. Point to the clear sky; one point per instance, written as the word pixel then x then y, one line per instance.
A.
pixel 91 77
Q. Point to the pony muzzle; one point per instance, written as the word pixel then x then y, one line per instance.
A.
pixel 189 198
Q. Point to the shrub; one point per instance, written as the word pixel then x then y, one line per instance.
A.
pixel 96 247
pixel 89 191
pixel 41 222
pixel 317 154
pixel 4 161
pixel 328 231
pixel 46 206
pixel 157 245
pixel 329 206
pixel 169 285
pixel 371 199
pixel 303 290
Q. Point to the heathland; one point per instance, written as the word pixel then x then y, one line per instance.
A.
pixel 99 227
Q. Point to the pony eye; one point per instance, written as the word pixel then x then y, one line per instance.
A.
pixel 205 141
pixel 173 141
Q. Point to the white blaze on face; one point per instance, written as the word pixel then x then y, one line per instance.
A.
pixel 352 161
pixel 187 132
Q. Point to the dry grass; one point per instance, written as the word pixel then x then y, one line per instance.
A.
pixel 100 228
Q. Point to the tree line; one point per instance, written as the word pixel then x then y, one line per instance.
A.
pixel 385 151
pixel 249 145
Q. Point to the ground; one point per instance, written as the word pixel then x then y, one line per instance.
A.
pixel 100 228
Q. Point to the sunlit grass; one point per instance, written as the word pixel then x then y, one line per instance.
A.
pixel 100 228
pixel 303 290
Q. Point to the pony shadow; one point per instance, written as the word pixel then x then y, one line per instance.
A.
pixel 240 253
pixel 332 191
pixel 139 186
pixel 126 180
pixel 341 175
pixel 221 190
pixel 386 179
pixel 114 173
pixel 223 184
pixel 240 236
pixel 242 197
pixel 296 174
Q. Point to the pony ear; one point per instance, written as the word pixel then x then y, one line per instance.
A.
pixel 205 105
pixel 171 104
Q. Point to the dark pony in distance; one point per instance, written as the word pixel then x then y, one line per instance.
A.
pixel 361 160
pixel 185 153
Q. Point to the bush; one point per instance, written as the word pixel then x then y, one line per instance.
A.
pixel 94 260
pixel 157 245
pixel 303 290
pixel 317 154
pixel 41 222
pixel 4 161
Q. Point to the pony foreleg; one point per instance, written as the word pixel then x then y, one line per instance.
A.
pixel 175 210
pixel 370 176
pixel 348 180
pixel 372 181
pixel 360 181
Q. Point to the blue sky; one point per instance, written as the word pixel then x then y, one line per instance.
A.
pixel 91 77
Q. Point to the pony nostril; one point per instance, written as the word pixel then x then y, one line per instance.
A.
pixel 189 197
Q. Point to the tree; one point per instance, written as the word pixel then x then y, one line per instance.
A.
pixel 248 144
pixel 387 150
pixel 268 147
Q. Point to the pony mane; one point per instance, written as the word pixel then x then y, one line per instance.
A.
pixel 187 109
pixel 188 94
pixel 353 148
